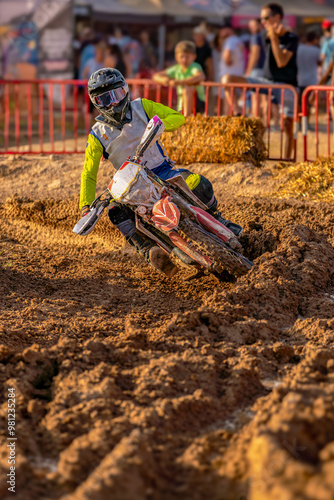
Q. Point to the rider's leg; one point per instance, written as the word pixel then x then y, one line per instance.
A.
pixel 123 218
pixel 202 188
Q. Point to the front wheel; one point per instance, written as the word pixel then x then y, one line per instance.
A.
pixel 216 250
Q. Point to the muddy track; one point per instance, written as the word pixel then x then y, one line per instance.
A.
pixel 131 386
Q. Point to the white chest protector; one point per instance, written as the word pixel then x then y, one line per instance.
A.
pixel 121 143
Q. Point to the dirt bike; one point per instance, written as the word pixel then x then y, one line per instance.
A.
pixel 170 214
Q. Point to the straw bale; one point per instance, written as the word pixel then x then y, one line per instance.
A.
pixel 308 180
pixel 220 139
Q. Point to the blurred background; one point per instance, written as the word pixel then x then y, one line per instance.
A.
pixel 55 39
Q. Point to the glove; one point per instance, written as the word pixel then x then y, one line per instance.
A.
pixel 85 210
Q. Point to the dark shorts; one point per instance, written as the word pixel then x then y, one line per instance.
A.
pixel 289 99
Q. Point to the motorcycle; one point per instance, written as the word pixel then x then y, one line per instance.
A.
pixel 170 214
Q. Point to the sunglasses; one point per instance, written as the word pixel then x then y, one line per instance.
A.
pixel 266 18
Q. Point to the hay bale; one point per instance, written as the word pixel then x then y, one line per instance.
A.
pixel 218 139
pixel 314 180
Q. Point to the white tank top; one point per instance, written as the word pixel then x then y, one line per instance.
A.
pixel 121 143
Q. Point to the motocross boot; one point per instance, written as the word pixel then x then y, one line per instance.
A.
pixel 232 226
pixel 153 254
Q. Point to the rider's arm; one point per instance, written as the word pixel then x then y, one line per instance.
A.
pixel 170 118
pixel 327 73
pixel 165 75
pixel 93 154
pixel 161 77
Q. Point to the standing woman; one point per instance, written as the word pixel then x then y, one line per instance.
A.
pixel 217 47
pixel 115 59
pixel 255 66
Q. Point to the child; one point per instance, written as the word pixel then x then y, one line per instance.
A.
pixel 115 136
pixel 184 76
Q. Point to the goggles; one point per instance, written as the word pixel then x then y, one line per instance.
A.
pixel 111 97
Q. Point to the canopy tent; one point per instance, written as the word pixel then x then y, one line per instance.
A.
pixel 14 8
pixel 140 8
pixel 247 9
pixel 212 10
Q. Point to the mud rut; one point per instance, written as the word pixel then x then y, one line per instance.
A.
pixel 133 387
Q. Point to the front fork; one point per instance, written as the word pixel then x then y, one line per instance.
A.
pixel 158 238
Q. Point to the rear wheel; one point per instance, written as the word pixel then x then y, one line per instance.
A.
pixel 222 256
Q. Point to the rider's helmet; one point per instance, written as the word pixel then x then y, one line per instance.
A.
pixel 109 93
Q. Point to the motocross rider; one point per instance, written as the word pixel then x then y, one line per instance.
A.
pixel 115 136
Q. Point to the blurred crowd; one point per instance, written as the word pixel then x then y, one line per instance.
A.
pixel 218 53
pixel 134 58
pixel 268 52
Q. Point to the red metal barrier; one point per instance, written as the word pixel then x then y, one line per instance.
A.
pixel 329 107
pixel 246 87
pixel 35 102
pixel 58 121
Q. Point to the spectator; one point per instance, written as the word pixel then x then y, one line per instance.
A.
pixel 184 76
pixel 88 41
pixel 93 64
pixel 245 38
pixel 327 47
pixel 122 38
pixel 232 56
pixel 257 54
pixel 280 66
pixel 114 59
pixel 149 56
pixel 232 59
pixel 327 78
pixel 255 65
pixel 203 51
pixel 96 62
pixel 169 53
pixel 308 61
pixel 327 56
pixel 209 33
pixel 217 46
pixel 130 48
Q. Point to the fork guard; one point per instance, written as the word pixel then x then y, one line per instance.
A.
pixel 194 254
pixel 212 225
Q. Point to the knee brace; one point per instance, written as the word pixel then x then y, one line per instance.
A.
pixel 123 218
pixel 202 188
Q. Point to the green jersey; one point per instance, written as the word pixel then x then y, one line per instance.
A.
pixel 177 73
